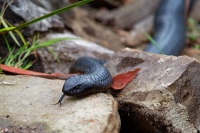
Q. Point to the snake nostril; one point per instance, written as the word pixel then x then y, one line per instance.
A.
pixel 73 91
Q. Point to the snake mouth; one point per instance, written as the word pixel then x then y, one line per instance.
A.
pixel 74 91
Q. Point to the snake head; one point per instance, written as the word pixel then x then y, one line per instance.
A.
pixel 77 85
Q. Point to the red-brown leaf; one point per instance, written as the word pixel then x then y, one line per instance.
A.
pixel 19 71
pixel 121 80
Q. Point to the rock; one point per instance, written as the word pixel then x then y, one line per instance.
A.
pixel 137 34
pixel 27 106
pixel 126 16
pixel 26 10
pixel 51 5
pixel 82 23
pixel 68 51
pixel 164 97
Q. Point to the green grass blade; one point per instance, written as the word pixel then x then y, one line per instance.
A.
pixel 20 51
pixel 4 7
pixel 18 33
pixel 26 65
pixel 1 71
pixel 9 58
pixel 47 43
pixel 153 42
pixel 10 32
pixel 21 37
pixel 53 13
pixel 8 46
pixel 53 54
pixel 6 30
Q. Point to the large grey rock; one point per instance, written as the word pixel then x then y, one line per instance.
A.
pixel 164 97
pixel 27 105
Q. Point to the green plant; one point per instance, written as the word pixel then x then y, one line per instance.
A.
pixel 153 42
pixel 193 33
pixel 4 30
pixel 196 46
pixel 18 57
pixel 7 25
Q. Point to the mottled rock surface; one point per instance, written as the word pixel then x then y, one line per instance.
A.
pixel 27 105
pixel 26 10
pixel 164 97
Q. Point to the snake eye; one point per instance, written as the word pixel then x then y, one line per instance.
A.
pixel 77 87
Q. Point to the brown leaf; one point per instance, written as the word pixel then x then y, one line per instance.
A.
pixel 121 80
pixel 19 71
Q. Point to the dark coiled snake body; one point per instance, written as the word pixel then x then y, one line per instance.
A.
pixel 94 77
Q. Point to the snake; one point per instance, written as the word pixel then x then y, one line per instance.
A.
pixel 92 77
pixel 169 26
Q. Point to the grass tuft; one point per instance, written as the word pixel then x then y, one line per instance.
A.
pixel 18 57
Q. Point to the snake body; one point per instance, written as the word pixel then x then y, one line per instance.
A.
pixel 93 78
pixel 169 26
